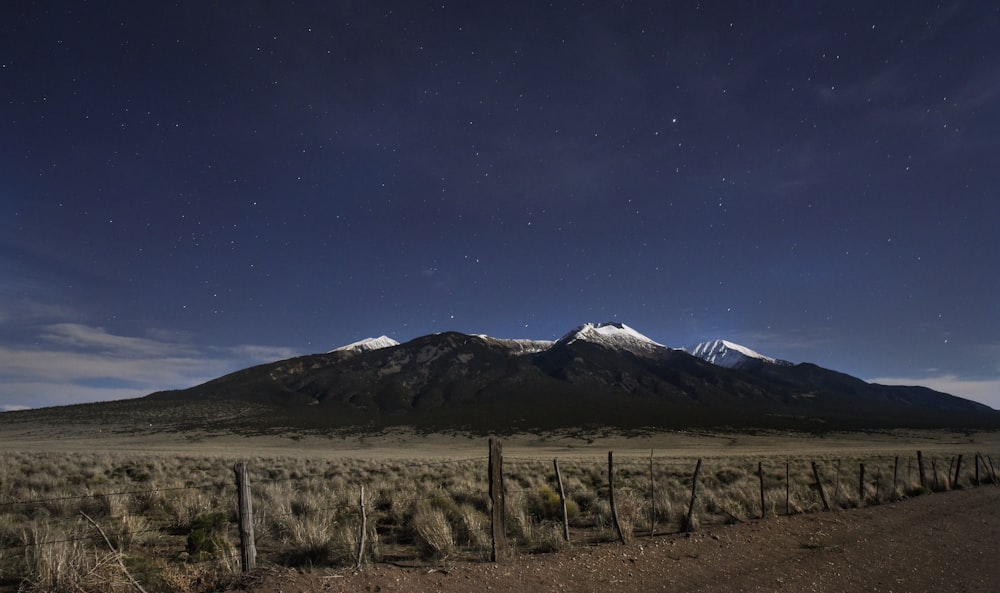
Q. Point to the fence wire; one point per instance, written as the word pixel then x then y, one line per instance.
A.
pixel 647 481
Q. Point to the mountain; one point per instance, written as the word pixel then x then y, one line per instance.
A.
pixel 730 355
pixel 595 375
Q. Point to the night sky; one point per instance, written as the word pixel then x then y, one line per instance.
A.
pixel 189 188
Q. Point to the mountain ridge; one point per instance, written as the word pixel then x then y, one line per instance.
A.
pixel 596 375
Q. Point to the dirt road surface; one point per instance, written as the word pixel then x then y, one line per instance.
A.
pixel 935 543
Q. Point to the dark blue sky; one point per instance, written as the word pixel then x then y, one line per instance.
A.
pixel 190 188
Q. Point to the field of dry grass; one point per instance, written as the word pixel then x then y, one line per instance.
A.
pixel 167 503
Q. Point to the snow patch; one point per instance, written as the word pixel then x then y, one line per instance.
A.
pixel 368 344
pixel 614 335
pixel 727 354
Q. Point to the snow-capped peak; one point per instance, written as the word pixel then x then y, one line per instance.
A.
pixel 613 335
pixel 724 353
pixel 368 344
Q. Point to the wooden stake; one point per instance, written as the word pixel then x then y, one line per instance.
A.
pixel 861 486
pixel 611 497
pixel 958 469
pixel 836 487
pixel 760 475
pixel 498 516
pixel 689 521
pixel 920 468
pixel 895 473
pixel 364 528
pixel 652 497
pixel 819 485
pixel 562 500
pixel 248 550
pixel 788 491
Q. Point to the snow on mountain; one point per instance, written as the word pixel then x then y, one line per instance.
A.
pixel 610 335
pixel 614 335
pixel 521 346
pixel 368 344
pixel 727 354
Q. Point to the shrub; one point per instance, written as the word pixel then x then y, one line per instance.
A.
pixel 546 505
pixel 433 532
pixel 208 535
pixel 729 476
pixel 474 530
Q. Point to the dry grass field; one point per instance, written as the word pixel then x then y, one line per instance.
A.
pixel 93 511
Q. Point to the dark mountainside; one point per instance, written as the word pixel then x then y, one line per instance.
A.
pixel 454 381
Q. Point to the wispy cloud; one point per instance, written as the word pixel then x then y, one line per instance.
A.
pixel 258 354
pixel 78 363
pixel 985 391
pixel 83 337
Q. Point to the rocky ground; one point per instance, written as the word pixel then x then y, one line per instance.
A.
pixel 934 543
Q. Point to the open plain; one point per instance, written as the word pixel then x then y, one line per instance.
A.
pixel 166 500
pixel 404 442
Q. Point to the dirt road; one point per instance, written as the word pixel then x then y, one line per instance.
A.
pixel 935 543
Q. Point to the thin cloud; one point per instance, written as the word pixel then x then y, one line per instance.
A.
pixel 76 335
pixel 78 363
pixel 68 366
pixel 261 353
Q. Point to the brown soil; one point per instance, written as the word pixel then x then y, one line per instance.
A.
pixel 934 543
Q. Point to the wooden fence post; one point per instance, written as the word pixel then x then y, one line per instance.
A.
pixel 895 473
pixel 788 491
pixel 562 500
pixel 920 469
pixel 878 485
pixel 611 497
pixel 652 497
pixel 836 487
pixel 861 485
pixel 498 530
pixel 935 485
pixel 977 468
pixel 819 485
pixel 248 550
pixel 364 528
pixel 958 468
pixel 760 474
pixel 689 521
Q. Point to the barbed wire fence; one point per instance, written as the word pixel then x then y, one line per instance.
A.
pixel 427 511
